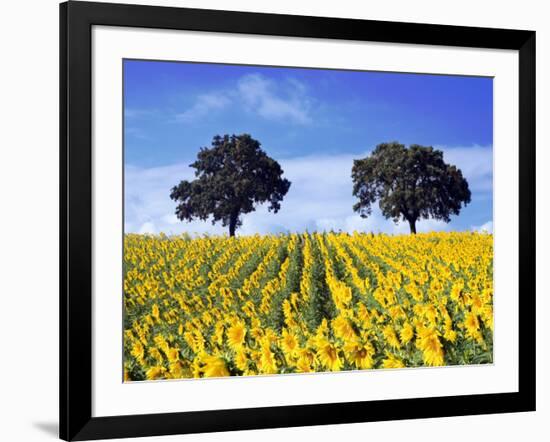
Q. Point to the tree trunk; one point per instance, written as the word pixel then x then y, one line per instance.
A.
pixel 412 225
pixel 233 224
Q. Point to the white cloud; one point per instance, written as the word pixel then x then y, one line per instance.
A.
pixel 476 164
pixel 148 207
pixel 486 227
pixel 320 198
pixel 277 101
pixel 170 219
pixel 204 104
pixel 272 102
pixel 378 224
pixel 147 227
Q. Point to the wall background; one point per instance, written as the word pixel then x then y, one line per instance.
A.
pixel 29 217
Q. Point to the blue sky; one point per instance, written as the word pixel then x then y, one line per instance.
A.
pixel 314 122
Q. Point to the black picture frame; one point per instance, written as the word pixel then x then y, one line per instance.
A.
pixel 76 21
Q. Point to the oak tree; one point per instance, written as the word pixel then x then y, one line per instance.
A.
pixel 409 183
pixel 233 176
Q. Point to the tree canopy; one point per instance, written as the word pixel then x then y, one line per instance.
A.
pixel 409 183
pixel 232 177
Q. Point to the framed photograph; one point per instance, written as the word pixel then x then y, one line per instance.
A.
pixel 273 220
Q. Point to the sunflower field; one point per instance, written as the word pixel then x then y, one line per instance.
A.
pixel 310 302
